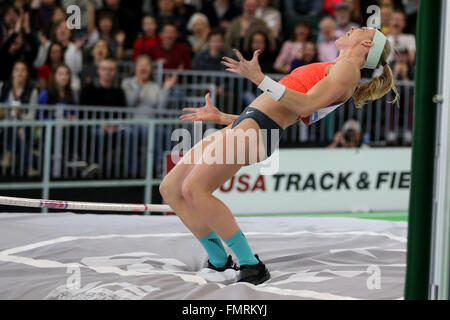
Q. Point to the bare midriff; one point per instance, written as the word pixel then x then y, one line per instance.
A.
pixel 301 79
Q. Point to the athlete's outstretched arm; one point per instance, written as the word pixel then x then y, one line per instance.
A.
pixel 208 112
pixel 343 77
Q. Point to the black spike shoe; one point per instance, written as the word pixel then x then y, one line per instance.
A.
pixel 255 274
pixel 229 265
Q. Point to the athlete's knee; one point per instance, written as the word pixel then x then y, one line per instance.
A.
pixel 192 192
pixel 170 191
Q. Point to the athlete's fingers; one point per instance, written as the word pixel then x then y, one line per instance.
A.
pixel 230 60
pixel 190 109
pixel 232 70
pixel 229 65
pixel 256 54
pixel 208 100
pixel 239 55
pixel 188 117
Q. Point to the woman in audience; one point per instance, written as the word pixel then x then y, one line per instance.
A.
pixel 99 52
pixel 305 55
pixel 106 30
pixel 143 93
pixel 302 33
pixel 59 90
pixel 147 38
pixel 16 92
pixel 19 89
pixel 54 57
pixel 73 57
pixel 266 43
pixel 198 25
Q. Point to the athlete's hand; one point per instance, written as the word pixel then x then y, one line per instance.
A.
pixel 248 69
pixel 208 112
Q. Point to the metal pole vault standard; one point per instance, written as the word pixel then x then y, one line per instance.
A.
pixel 440 254
pixel 75 205
pixel 423 151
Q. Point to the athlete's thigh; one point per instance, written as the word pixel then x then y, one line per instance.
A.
pixel 229 151
pixel 187 162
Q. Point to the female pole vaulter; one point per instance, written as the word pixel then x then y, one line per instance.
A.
pixel 308 93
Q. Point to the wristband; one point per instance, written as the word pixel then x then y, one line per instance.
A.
pixel 274 89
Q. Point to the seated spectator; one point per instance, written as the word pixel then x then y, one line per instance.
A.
pixel 126 22
pixel 173 54
pixel 259 41
pixel 59 90
pixel 301 34
pixel 328 35
pixel 398 38
pixel 17 91
pixel 402 68
pixel 343 16
pixel 167 14
pixel 199 27
pixel 106 30
pixel 270 15
pixel 210 58
pixel 58 14
pixel 105 92
pixel 243 25
pixel 305 55
pixel 143 93
pixel 19 45
pixel 349 136
pixel 147 38
pixel 8 20
pixel 220 13
pixel 99 52
pixel 266 43
pixel 54 57
pixel 73 57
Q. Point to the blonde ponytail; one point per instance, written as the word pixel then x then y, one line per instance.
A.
pixel 379 86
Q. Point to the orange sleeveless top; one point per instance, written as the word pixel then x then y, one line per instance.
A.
pixel 302 79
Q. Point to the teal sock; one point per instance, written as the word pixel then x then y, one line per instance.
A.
pixel 239 245
pixel 214 247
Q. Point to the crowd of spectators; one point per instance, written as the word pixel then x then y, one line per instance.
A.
pixel 182 34
pixel 44 61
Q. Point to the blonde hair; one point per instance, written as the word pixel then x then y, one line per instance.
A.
pixel 379 86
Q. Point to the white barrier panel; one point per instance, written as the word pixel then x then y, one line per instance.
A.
pixel 323 180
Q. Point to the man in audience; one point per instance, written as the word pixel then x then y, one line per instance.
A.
pixel 398 38
pixel 105 93
pixel 210 58
pixel 343 15
pixel 328 35
pixel 167 14
pixel 173 54
pixel 348 137
pixel 244 25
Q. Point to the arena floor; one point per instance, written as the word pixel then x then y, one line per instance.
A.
pixel 72 256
